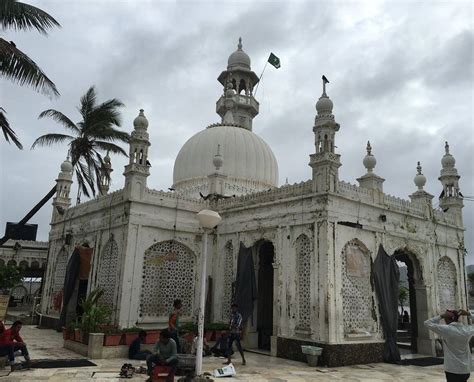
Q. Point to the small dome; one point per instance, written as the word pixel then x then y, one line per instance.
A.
pixel 369 162
pixel 239 58
pixel 420 179
pixel 140 122
pixel 448 160
pixel 66 166
pixel 217 161
pixel 324 105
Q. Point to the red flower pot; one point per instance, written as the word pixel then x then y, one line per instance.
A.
pixel 128 338
pixel 152 336
pixel 112 339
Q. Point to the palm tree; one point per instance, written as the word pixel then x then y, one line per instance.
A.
pixel 94 133
pixel 16 65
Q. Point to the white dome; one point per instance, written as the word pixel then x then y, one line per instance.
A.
pixel 324 105
pixel 66 166
pixel 249 163
pixel 238 59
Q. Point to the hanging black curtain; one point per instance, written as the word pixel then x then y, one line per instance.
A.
pixel 72 271
pixel 245 283
pixel 386 277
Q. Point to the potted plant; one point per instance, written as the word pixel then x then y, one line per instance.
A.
pixel 112 336
pixel 10 276
pixel 130 334
pixel 94 315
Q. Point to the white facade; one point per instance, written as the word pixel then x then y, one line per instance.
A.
pixel 313 242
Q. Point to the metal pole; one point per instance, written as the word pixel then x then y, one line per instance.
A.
pixel 201 310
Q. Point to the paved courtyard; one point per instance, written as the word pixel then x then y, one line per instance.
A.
pixel 48 344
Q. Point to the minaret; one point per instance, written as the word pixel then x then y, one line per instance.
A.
pixel 243 81
pixel 420 195
pixel 62 201
pixel 137 169
pixel 325 162
pixel 217 179
pixel 370 180
pixel 450 198
pixel 106 170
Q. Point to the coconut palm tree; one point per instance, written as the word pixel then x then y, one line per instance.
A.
pixel 96 132
pixel 16 65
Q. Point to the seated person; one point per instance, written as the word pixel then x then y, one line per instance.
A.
pixel 205 347
pixel 11 341
pixel 220 347
pixel 134 349
pixel 165 355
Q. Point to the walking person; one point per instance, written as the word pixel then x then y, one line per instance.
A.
pixel 455 337
pixel 173 323
pixel 235 331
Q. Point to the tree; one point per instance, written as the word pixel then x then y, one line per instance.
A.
pixel 94 133
pixel 470 277
pixel 10 275
pixel 402 296
pixel 16 65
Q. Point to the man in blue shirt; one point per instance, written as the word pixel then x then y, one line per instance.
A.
pixel 134 349
pixel 235 329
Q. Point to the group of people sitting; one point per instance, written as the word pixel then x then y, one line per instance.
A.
pixel 11 343
pixel 166 349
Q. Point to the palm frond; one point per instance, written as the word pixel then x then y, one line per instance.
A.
pixel 109 134
pixel 85 178
pixel 50 139
pixel 17 15
pixel 60 118
pixel 88 103
pixel 8 131
pixel 107 113
pixel 18 67
pixel 113 148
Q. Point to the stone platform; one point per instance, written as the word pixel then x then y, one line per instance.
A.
pixel 46 343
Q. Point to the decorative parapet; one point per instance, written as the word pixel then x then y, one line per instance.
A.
pixel 27 243
pixel 403 205
pixel 79 209
pixel 174 196
pixel 283 192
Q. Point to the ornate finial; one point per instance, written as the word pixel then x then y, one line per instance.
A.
pixel 219 150
pixel 369 148
pixel 218 160
pixel 239 46
pixel 286 182
pixel 446 147
pixel 420 179
pixel 418 168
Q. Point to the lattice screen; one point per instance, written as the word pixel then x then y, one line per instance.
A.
pixel 168 274
pixel 356 289
pixel 228 280
pixel 59 276
pixel 303 258
pixel 109 270
pixel 447 284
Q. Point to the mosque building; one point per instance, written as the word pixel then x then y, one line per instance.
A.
pixel 312 244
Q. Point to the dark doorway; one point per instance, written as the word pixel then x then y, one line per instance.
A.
pixel 265 295
pixel 407 333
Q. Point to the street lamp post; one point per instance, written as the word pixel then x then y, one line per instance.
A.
pixel 208 220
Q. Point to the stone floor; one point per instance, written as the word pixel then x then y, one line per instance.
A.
pixel 48 344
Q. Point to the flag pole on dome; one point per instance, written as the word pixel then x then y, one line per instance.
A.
pixel 274 61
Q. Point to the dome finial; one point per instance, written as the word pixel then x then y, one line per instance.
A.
pixel 446 147
pixel 218 160
pixel 239 46
pixel 369 160
pixel 420 179
pixel 325 81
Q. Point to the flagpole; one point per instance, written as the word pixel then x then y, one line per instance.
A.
pixel 260 78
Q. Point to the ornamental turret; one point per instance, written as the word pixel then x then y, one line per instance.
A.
pixel 325 162
pixel 137 170
pixel 105 172
pixel 217 178
pixel 62 201
pixel 420 195
pixel 243 80
pixel 450 197
pixel 370 180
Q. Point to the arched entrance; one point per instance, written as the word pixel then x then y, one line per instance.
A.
pixel 411 333
pixel 266 254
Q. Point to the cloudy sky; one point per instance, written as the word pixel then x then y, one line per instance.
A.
pixel 401 76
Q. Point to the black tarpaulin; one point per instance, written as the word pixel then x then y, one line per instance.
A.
pixel 72 271
pixel 386 277
pixel 245 283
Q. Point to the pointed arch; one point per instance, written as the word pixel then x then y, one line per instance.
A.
pixel 357 300
pixel 108 273
pixel 447 284
pixel 303 270
pixel 168 274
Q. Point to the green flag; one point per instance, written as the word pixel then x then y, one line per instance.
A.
pixel 274 60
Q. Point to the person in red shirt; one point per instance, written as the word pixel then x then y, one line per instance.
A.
pixel 6 350
pixel 11 341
